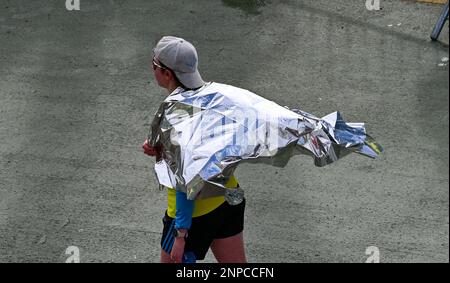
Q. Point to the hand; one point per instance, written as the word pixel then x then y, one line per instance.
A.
pixel 151 151
pixel 177 250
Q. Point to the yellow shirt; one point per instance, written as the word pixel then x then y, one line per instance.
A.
pixel 201 206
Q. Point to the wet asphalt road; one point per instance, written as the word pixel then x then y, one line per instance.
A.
pixel 77 96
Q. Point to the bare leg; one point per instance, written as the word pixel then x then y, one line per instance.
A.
pixel 165 257
pixel 229 250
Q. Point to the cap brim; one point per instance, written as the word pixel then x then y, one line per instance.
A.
pixel 190 80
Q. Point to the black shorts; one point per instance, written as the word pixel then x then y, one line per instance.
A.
pixel 225 221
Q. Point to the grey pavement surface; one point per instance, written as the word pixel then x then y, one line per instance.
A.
pixel 77 95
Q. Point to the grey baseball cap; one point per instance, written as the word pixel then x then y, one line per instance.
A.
pixel 181 57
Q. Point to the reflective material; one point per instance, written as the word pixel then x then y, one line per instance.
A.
pixel 234 196
pixel 205 134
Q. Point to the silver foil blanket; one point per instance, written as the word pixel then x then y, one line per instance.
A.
pixel 203 135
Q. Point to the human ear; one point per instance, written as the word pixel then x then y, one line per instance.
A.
pixel 169 75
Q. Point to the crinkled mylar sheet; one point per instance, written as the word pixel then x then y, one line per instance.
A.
pixel 205 134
